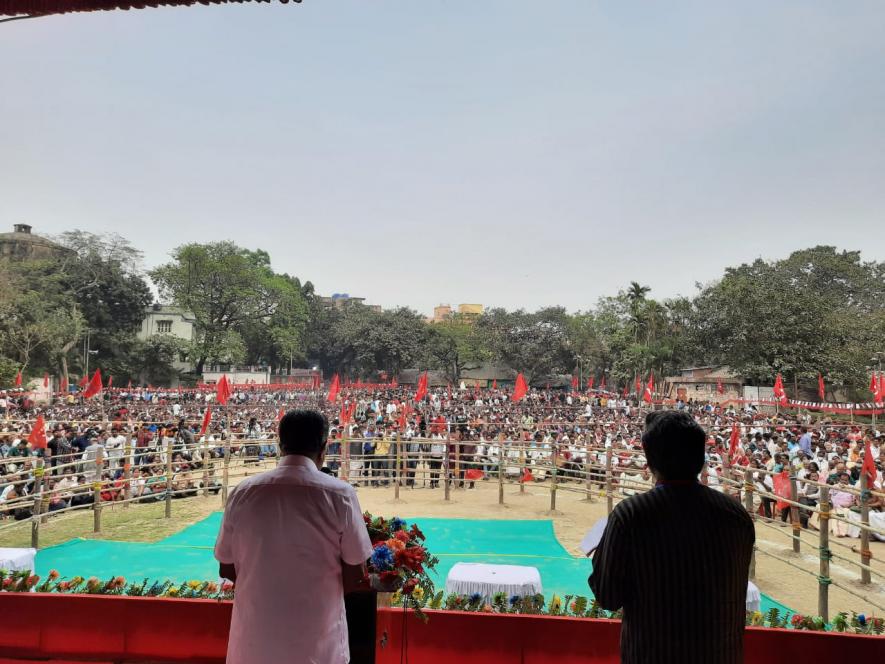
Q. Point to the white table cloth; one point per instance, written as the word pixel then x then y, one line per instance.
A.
pixel 14 560
pixel 754 598
pixel 486 580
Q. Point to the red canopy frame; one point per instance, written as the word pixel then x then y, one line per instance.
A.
pixel 24 8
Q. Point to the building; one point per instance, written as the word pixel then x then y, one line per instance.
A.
pixel 22 245
pixel 470 310
pixel 441 313
pixel 702 384
pixel 165 319
pixel 342 300
pixel 445 312
pixel 238 375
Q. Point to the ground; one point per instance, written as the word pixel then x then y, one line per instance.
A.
pixel 573 517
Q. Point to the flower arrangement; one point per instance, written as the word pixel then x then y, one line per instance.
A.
pixel 400 562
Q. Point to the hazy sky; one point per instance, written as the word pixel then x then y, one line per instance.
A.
pixel 513 153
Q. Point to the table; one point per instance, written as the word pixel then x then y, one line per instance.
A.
pixel 486 580
pixel 754 598
pixel 13 560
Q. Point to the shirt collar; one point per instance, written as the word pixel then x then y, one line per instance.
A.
pixel 298 460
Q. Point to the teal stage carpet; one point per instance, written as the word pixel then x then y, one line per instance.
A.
pixel 188 554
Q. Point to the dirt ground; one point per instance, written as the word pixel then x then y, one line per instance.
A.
pixel 793 587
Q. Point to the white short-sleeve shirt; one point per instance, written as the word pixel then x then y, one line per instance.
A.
pixel 287 531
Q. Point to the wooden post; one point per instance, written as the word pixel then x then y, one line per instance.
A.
pixel 345 454
pixel 500 471
pixel 823 578
pixel 398 460
pixel 458 461
pixel 226 471
pixel 609 498
pixel 446 473
pixel 206 461
pixel 169 480
pixel 865 553
pixel 127 471
pixel 522 464
pixel 794 514
pixel 587 468
pixel 554 457
pixel 96 493
pixel 748 505
pixel 38 501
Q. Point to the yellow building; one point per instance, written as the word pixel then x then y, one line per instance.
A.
pixel 470 309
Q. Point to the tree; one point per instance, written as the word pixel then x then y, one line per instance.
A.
pixel 455 345
pixel 227 289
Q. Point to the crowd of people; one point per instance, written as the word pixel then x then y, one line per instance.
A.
pixel 469 434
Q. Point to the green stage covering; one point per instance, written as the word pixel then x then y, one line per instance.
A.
pixel 188 554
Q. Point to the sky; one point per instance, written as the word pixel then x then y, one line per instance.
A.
pixel 505 152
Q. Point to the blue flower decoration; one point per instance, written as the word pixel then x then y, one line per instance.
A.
pixel 514 600
pixel 382 558
pixel 397 524
pixel 862 619
pixel 475 598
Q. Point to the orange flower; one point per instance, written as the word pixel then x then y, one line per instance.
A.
pixel 53 574
pixel 395 545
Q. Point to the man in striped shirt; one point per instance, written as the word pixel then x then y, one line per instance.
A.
pixel 676 558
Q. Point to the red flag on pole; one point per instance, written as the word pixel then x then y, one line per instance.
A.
pixel 869 466
pixel 110 381
pixel 575 383
pixel 222 390
pixel 520 389
pixel 94 387
pixel 334 388
pixel 625 392
pixel 649 388
pixel 84 381
pixel 45 381
pixel 37 437
pixel 874 386
pixel 422 387
pixel 719 388
pixel 18 379
pixel 882 388
pixel 735 439
pixel 494 383
pixel 638 386
pixel 821 388
pixel 590 383
pixel 602 383
pixel 781 483
pixel 207 417
pixel 63 386
pixel 779 392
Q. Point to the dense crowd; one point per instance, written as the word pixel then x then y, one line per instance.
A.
pixel 468 434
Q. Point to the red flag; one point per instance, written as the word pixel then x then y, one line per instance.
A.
pixel 495 384
pixel 520 389
pixel 649 388
pixel 874 386
pixel 779 392
pixel 45 381
pixel 63 387
pixel 781 483
pixel 37 437
pixel 473 474
pixel 735 439
pixel 94 387
pixel 869 467
pixel 719 388
pixel 281 413
pixel 110 381
pixel 638 385
pixel 575 383
pixel 590 383
pixel 625 392
pixel 821 388
pixel 223 390
pixel 526 476
pixel 18 379
pixel 602 383
pixel 422 387
pixel 334 388
pixel 880 396
pixel 84 381
pixel 207 417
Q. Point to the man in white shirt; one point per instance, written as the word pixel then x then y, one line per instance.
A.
pixel 292 538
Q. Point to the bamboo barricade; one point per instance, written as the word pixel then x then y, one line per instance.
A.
pixel 226 471
pixel 865 553
pixel 748 505
pixel 398 459
pixel 522 468
pixel 39 472
pixel 205 457
pixel 96 492
pixel 127 472
pixel 500 471
pixel 609 497
pixel 447 475
pixel 794 513
pixel 168 510
pixel 823 547
pixel 553 476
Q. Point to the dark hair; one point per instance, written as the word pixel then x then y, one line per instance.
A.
pixel 674 444
pixel 303 432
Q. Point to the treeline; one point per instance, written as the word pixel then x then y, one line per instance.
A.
pixel 819 310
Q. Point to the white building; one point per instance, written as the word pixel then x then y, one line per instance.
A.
pixel 164 319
